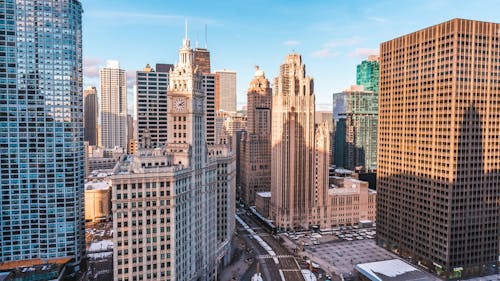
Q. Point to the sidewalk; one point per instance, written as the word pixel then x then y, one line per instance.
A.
pixel 238 265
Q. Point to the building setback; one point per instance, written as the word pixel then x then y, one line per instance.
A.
pixel 113 106
pixel 41 132
pixel 90 113
pixel 438 147
pixel 255 149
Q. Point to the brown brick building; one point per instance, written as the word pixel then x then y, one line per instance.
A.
pixel 439 147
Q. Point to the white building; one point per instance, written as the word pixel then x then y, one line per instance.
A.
pixel 113 106
pixel 173 206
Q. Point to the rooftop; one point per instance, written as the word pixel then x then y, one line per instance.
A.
pixel 393 270
pixel 264 194
pixel 97 185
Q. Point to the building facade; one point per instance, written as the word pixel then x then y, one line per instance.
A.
pixel 41 132
pixel 438 147
pixel 175 203
pixel 361 119
pixel 292 142
pixel 368 73
pixel 225 90
pixel 91 114
pixel 209 89
pixel 255 149
pixel 151 103
pixel 113 106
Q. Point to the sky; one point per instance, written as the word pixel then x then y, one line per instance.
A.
pixel 332 36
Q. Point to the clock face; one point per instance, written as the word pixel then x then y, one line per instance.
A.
pixel 179 104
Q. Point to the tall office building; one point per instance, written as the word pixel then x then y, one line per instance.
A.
pixel 255 149
pixel 113 106
pixel 367 73
pixel 292 141
pixel 41 131
pixel 90 114
pixel 151 104
pixel 359 143
pixel 225 90
pixel 202 60
pixel 175 203
pixel 208 85
pixel 438 146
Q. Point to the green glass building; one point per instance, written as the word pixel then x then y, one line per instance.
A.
pixel 367 74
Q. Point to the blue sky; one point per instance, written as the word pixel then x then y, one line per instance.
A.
pixel 332 36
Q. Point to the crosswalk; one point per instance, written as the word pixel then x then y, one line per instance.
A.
pixel 273 256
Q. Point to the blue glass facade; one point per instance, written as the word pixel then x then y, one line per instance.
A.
pixel 41 130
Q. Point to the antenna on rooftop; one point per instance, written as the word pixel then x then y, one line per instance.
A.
pixel 186 29
pixel 206 36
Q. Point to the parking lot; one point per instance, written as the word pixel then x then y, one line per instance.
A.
pixel 344 255
pixel 342 248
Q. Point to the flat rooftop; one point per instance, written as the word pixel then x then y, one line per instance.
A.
pixel 264 194
pixel 393 270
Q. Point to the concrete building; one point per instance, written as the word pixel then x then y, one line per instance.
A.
pixel 151 103
pixel 90 114
pixel 113 106
pixel 263 203
pixel 97 200
pixel 367 73
pixel 292 168
pixel 225 90
pixel 359 142
pixel 173 206
pixel 255 149
pixel 438 147
pixel 42 133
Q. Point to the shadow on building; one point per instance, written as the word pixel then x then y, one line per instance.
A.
pixel 449 226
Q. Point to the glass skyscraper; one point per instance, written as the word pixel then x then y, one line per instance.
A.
pixel 367 73
pixel 41 130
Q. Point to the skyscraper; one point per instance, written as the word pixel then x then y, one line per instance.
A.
pixel 367 73
pixel 255 155
pixel 202 60
pixel 113 106
pixel 292 141
pixel 208 85
pixel 90 113
pixel 41 131
pixel 152 107
pixel 225 90
pixel 183 193
pixel 360 140
pixel 438 147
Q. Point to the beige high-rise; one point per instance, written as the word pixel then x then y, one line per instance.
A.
pixel 225 90
pixel 113 106
pixel 439 147
pixel 255 149
pixel 292 168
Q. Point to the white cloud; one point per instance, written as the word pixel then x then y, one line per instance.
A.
pixel 363 52
pixel 291 43
pixel 91 67
pixel 325 53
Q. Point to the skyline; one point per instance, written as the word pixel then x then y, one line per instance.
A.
pixel 332 38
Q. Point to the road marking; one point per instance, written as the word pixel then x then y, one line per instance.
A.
pixel 274 256
pixel 282 276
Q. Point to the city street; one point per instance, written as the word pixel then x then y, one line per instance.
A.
pixel 288 264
